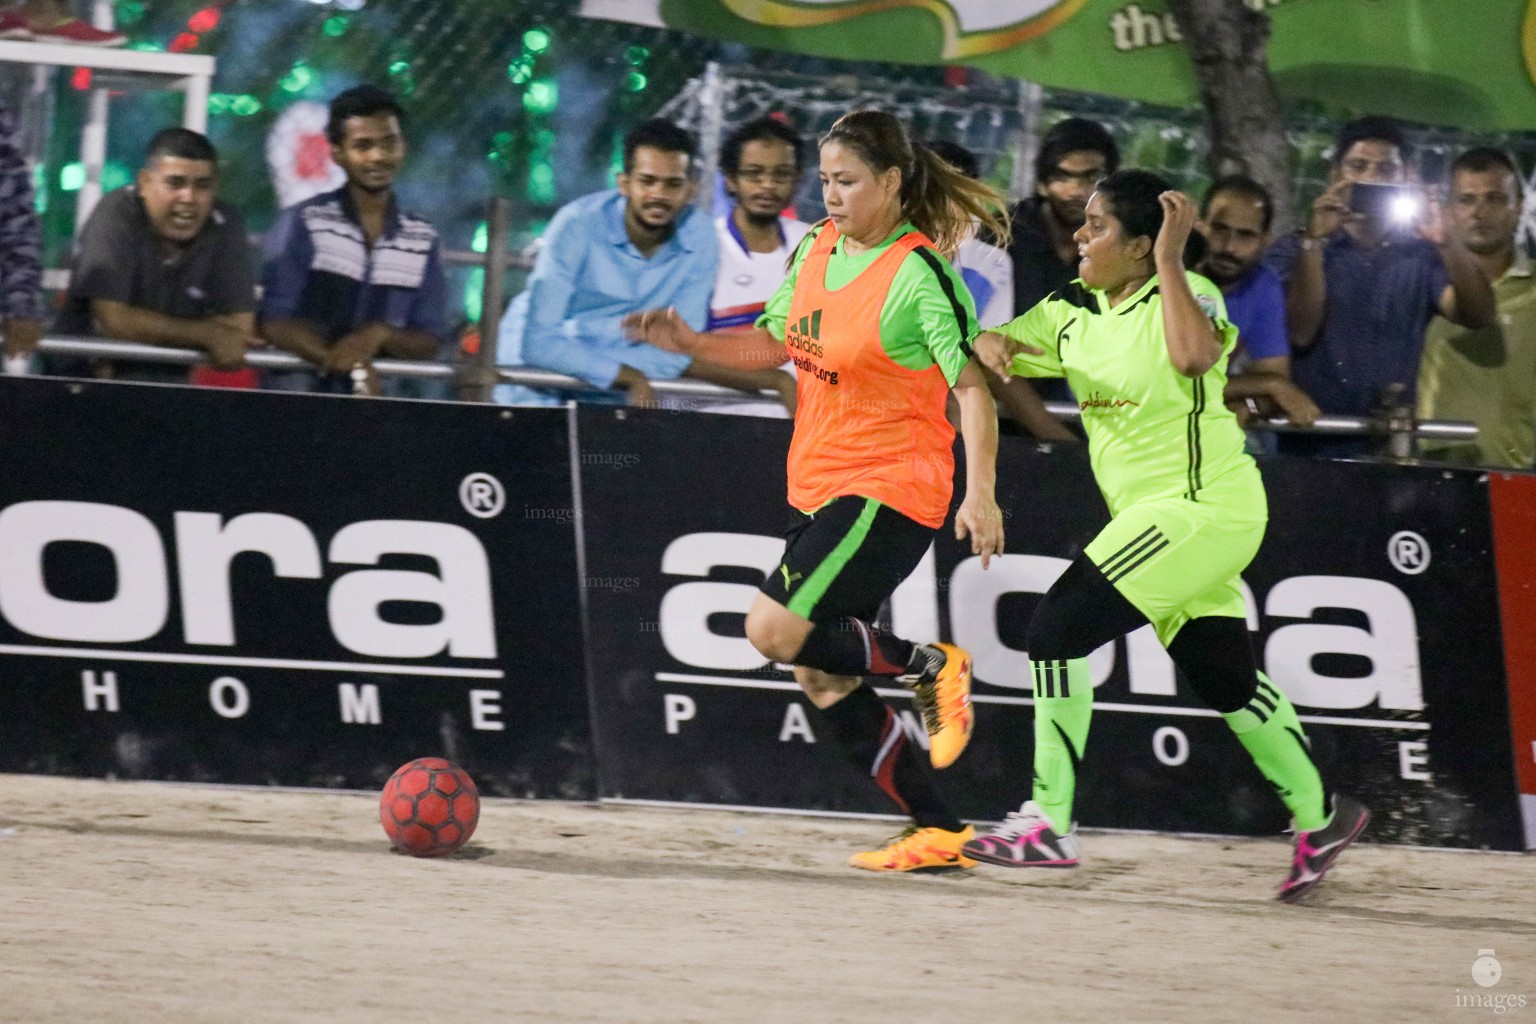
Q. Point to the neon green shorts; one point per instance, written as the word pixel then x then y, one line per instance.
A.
pixel 1177 560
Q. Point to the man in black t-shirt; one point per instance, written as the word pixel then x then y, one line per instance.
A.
pixel 1074 155
pixel 163 262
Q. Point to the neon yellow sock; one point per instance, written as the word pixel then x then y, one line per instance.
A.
pixel 1270 731
pixel 1063 710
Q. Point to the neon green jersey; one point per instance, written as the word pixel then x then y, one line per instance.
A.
pixel 1152 432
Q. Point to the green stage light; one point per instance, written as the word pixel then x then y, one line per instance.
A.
pixel 541 96
pixel 298 79
pixel 115 175
pixel 541 183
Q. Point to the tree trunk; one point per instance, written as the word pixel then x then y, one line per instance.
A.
pixel 1226 40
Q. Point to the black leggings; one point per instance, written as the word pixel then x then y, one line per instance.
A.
pixel 1083 611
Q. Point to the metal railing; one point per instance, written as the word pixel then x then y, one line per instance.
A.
pixel 1397 428
pixel 461 372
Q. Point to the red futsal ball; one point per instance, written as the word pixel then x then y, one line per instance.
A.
pixel 429 807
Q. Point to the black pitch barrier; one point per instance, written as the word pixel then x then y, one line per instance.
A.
pixel 304 590
pixel 1373 605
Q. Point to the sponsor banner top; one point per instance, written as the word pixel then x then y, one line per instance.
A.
pixel 1401 57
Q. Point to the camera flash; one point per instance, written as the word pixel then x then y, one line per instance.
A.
pixel 1405 208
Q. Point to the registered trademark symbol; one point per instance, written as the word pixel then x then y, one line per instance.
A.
pixel 482 495
pixel 1408 552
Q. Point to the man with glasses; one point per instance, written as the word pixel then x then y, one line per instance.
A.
pixel 761 165
pixel 607 256
pixel 1074 154
pixel 1486 375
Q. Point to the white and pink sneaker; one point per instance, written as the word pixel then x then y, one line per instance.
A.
pixel 1313 853
pixel 1027 838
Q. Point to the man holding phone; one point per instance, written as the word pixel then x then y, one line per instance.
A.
pixel 1363 280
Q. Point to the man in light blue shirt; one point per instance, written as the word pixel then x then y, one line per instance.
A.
pixel 607 255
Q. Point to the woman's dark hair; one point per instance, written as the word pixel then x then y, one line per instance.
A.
pixel 1133 198
pixel 943 203
pixel 960 158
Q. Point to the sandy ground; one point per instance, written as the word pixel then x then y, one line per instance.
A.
pixel 144 902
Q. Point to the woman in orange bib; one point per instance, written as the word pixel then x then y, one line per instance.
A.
pixel 879 325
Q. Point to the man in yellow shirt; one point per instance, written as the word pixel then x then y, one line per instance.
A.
pixel 1486 375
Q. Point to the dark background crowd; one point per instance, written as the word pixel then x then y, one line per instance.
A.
pixel 1402 289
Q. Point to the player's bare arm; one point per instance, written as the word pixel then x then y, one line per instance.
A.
pixel 979 516
pixel 1192 342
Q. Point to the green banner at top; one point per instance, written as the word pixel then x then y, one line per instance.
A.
pixel 1461 63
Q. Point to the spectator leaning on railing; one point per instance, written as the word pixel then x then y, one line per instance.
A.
pixel 1235 219
pixel 638 249
pixel 163 262
pixel 349 275
pixel 21 268
pixel 760 162
pixel 760 165
pixel 1486 375
pixel 1364 278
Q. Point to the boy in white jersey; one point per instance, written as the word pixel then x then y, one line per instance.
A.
pixel 1144 346
pixel 761 165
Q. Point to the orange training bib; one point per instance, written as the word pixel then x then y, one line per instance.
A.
pixel 864 425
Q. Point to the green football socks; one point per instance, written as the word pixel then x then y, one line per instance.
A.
pixel 1269 729
pixel 1063 708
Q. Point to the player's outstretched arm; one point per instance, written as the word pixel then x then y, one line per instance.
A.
pixel 996 351
pixel 751 348
pixel 1188 331
pixel 978 516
